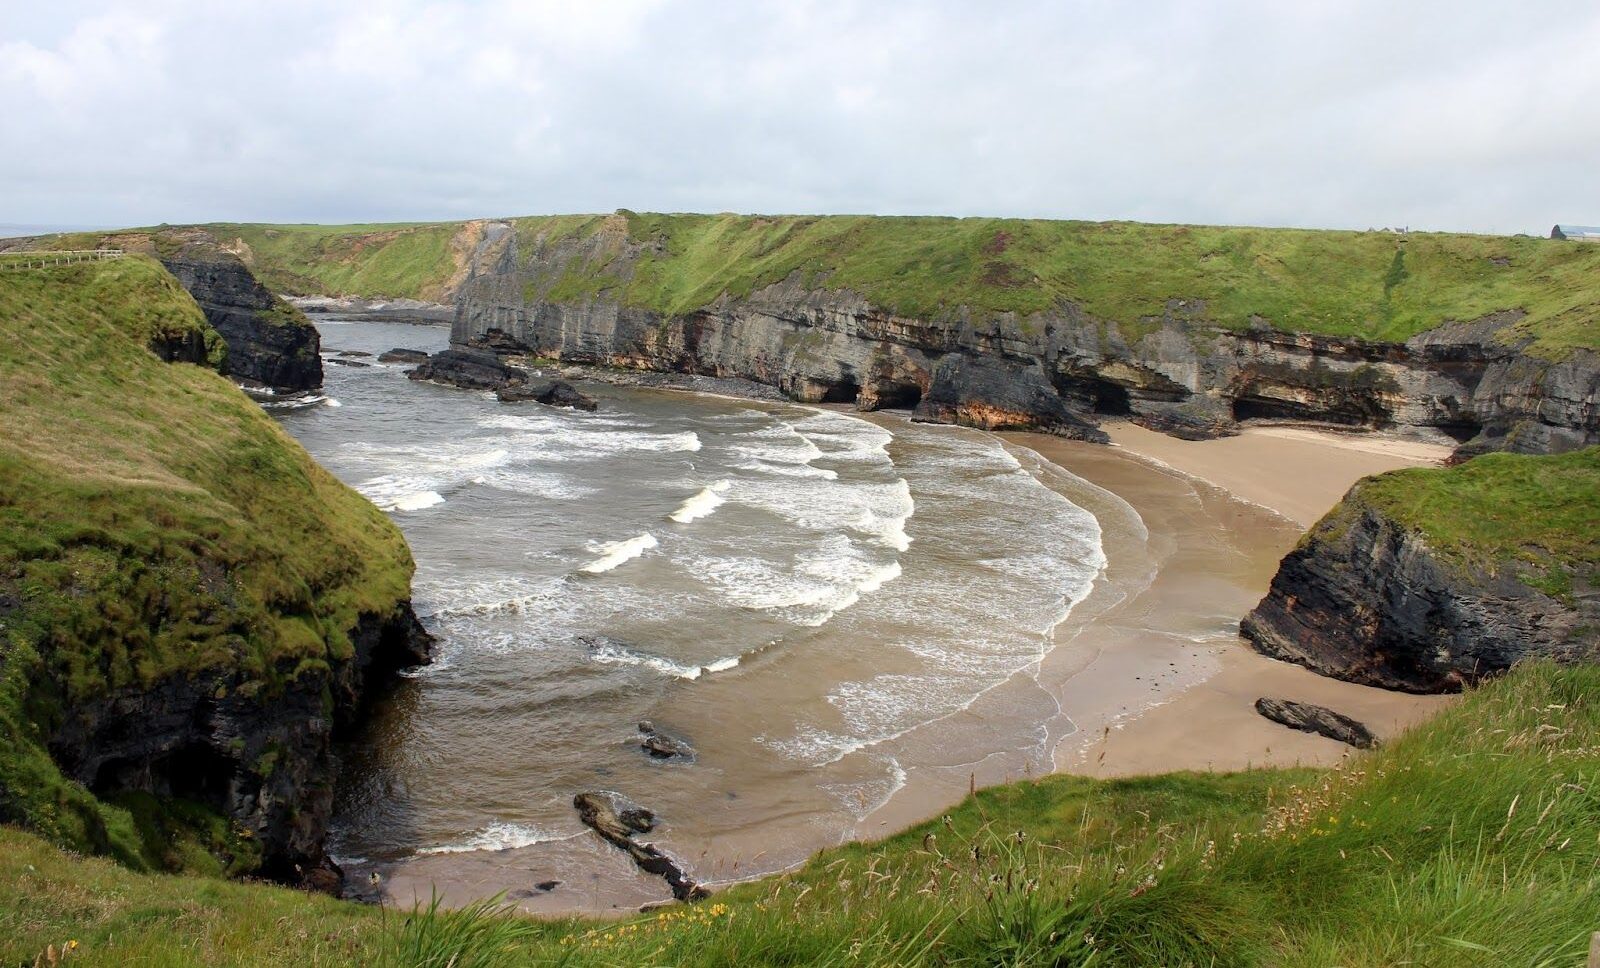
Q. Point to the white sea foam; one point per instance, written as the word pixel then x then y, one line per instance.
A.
pixel 702 503
pixel 821 582
pixel 416 501
pixel 612 653
pixel 496 836
pixel 614 553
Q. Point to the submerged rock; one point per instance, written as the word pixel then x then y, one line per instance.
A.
pixel 557 394
pixel 617 820
pixel 1308 718
pixel 663 746
pixel 337 361
pixel 402 355
pixel 468 369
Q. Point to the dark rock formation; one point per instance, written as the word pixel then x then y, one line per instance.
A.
pixel 557 394
pixel 976 391
pixel 663 746
pixel 1058 370
pixel 337 361
pixel 353 353
pixel 270 343
pixel 263 760
pixel 401 355
pixel 469 369
pixel 617 822
pixel 1317 719
pixel 1362 598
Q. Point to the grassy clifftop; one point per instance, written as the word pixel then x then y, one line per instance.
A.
pixel 1469 841
pixel 1503 508
pixel 1373 285
pixel 154 524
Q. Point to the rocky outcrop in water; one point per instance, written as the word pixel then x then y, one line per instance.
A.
pixel 619 822
pixel 1366 599
pixel 1058 371
pixel 557 394
pixel 469 369
pixel 1321 720
pixel 402 355
pixel 662 745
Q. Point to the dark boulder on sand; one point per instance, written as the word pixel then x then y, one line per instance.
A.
pixel 1317 719
pixel 617 821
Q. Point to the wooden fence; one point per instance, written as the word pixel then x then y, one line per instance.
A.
pixel 44 259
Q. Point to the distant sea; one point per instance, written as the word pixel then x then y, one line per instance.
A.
pixel 12 230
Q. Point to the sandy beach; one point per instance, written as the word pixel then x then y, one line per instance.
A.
pixel 1298 474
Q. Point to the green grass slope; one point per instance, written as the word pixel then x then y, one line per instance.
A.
pixel 1372 285
pixel 1469 841
pixel 154 522
pixel 1512 509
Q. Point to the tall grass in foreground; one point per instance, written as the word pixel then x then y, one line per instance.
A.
pixel 1474 840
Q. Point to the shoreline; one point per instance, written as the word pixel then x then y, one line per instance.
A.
pixel 1146 674
pixel 1297 474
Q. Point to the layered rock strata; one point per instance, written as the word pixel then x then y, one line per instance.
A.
pixel 1367 599
pixel 1058 371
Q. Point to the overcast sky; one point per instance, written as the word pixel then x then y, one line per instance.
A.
pixel 1466 115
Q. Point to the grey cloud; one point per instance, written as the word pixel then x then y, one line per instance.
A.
pixel 1465 115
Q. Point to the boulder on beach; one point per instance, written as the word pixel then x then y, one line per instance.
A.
pixel 617 820
pixel 1317 719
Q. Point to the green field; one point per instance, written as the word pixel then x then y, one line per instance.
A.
pixel 1372 285
pixel 1470 841
pixel 154 523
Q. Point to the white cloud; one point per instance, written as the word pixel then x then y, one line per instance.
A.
pixel 1464 115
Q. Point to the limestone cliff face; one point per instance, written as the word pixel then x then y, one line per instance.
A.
pixel 1365 599
pixel 1054 371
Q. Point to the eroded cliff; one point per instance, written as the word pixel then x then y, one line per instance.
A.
pixel 190 608
pixel 636 291
pixel 270 344
pixel 1426 580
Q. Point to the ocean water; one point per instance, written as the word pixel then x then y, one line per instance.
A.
pixel 796 591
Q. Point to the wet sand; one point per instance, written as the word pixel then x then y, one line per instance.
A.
pixel 1298 474
pixel 1147 674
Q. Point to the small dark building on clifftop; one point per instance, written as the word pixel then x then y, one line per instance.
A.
pixel 1576 233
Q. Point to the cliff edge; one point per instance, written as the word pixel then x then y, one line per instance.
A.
pixel 270 344
pixel 1490 342
pixel 1427 579
pixel 190 608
